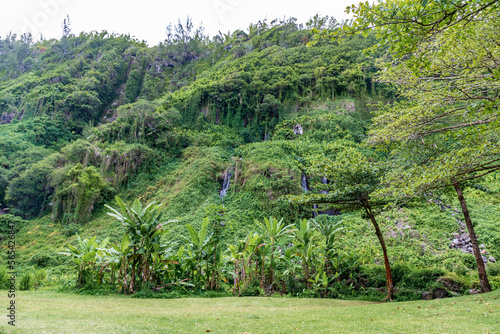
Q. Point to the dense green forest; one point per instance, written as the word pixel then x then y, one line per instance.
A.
pixel 275 159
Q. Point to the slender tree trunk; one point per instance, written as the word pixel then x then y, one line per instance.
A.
pixel 132 276
pixel 483 278
pixel 327 264
pixel 236 278
pixel 388 273
pixel 271 278
pixel 263 275
pixel 123 274
pixel 215 270
pixel 308 283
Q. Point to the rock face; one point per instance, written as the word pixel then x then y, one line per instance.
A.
pixel 6 118
pixel 462 242
pixel 297 129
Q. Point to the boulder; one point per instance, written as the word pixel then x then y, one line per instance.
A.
pixel 426 296
pixel 492 259
pixel 440 293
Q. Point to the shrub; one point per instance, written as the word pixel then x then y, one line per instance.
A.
pixel 251 291
pixel 26 282
pixel 407 295
pixel 374 274
pixel 39 277
pixel 215 294
pixel 493 269
pixel 8 220
pixel 413 278
pixel 4 282
pixel 43 260
pixel 71 229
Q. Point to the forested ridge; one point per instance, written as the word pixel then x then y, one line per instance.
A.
pixel 274 159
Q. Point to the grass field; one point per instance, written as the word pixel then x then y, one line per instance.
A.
pixel 53 312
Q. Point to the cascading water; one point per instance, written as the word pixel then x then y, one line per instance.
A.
pixel 329 212
pixel 324 180
pixel 225 183
pixel 305 188
pixel 303 183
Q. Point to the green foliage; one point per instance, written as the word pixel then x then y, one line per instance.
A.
pixel 29 192
pixel 98 114
pixel 80 189
pixel 134 83
pixel 44 260
pixel 143 226
pixel 85 256
pixel 39 278
pixel 493 269
pixel 404 25
pixel 4 279
pixel 323 125
pixel 25 282
pixel 6 223
pixel 413 278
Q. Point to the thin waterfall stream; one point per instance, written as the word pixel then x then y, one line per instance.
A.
pixel 305 187
pixel 225 183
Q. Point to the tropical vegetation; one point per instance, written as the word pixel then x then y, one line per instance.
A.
pixel 326 159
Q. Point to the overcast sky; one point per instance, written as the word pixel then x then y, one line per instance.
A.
pixel 147 19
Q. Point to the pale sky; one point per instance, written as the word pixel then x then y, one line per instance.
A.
pixel 147 19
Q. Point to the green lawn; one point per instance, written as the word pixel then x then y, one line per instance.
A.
pixel 52 312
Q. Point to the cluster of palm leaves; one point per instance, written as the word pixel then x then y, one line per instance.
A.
pixel 278 258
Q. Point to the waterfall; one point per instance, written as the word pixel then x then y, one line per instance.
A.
pixel 303 183
pixel 329 212
pixel 305 188
pixel 225 183
pixel 324 180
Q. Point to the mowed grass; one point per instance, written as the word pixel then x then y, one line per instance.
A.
pixel 52 312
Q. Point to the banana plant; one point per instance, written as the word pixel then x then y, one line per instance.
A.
pixel 329 230
pixel 320 283
pixel 123 251
pixel 304 247
pixel 144 227
pixel 242 255
pixel 84 255
pixel 273 229
pixel 197 254
pixel 292 268
pixel 237 258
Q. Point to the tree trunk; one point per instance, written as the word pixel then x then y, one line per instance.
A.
pixel 271 278
pixel 483 278
pixel 236 285
pixel 132 276
pixel 263 275
pixel 388 273
pixel 308 283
